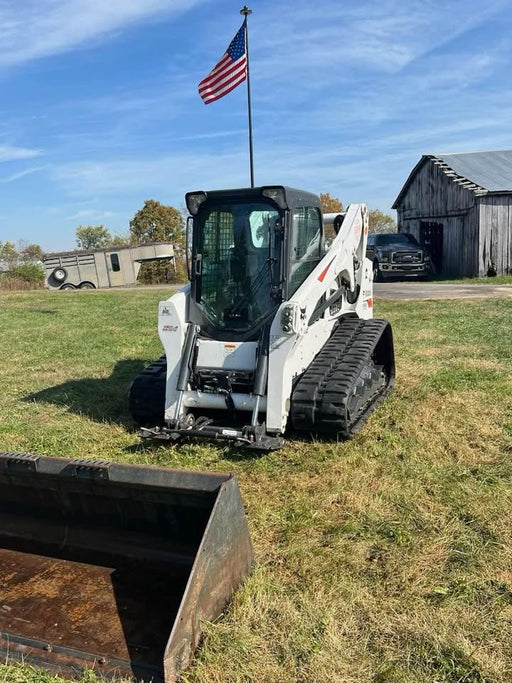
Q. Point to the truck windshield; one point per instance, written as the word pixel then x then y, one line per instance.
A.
pixel 396 238
pixel 238 245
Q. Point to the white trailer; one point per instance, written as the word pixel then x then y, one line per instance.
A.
pixel 100 268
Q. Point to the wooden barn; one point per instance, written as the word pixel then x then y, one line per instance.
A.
pixel 460 205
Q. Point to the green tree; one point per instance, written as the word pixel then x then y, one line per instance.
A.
pixel 92 237
pixel 381 222
pixel 156 222
pixel 330 204
pixel 119 241
pixel 9 254
pixel 30 253
pixel 31 274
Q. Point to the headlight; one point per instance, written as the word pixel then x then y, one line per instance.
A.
pixel 426 257
pixel 383 257
pixel 277 194
pixel 194 201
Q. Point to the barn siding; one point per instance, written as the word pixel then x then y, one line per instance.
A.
pixel 469 264
pixel 412 225
pixel 495 243
pixel 432 193
pixel 433 196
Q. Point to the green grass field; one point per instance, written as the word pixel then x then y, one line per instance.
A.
pixel 386 559
pixel 498 280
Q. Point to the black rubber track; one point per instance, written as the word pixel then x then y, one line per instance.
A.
pixel 346 381
pixel 147 395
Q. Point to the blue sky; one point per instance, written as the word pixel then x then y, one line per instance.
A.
pixel 100 111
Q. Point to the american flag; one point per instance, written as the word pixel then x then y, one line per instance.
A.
pixel 229 72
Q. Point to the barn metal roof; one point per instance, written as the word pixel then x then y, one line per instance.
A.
pixel 491 170
pixel 480 172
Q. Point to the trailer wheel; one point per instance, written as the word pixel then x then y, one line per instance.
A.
pixel 68 285
pixel 60 274
pixel 86 285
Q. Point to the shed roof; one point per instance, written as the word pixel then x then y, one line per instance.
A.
pixel 107 250
pixel 479 172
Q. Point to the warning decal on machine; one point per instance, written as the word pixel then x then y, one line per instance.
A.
pixel 229 349
pixel 324 271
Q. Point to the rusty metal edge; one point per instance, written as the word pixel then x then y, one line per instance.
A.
pixel 225 552
pixel 20 647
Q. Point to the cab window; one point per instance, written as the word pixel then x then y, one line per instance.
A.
pixel 306 244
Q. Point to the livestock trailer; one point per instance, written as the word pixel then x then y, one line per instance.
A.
pixel 99 268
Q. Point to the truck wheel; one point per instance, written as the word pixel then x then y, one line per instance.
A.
pixel 60 274
pixel 86 285
pixel 68 285
pixel 377 276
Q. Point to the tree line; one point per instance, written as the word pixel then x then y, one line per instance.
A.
pixel 13 255
pixel 20 265
pixel 378 221
pixel 154 222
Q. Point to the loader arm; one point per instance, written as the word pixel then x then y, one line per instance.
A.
pixel 344 275
pixel 342 269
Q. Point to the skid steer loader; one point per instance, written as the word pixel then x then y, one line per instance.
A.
pixel 274 332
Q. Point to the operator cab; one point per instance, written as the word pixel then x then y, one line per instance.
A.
pixel 248 251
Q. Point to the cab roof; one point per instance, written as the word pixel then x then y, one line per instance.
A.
pixel 294 197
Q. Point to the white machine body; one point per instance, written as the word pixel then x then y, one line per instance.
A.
pixel 294 340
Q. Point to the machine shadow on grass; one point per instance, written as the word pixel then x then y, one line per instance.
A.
pixel 223 451
pixel 106 400
pixel 100 399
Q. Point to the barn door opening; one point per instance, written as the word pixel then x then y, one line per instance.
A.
pixel 431 235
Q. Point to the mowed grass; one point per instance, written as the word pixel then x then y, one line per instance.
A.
pixel 497 280
pixel 386 559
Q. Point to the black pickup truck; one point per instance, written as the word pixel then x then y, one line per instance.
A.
pixel 398 255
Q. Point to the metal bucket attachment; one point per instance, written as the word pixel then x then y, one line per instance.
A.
pixel 114 567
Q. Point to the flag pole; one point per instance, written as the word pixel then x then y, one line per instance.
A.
pixel 246 11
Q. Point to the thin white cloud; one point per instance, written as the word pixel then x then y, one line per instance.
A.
pixel 369 168
pixel 12 153
pixel 213 135
pixel 384 36
pixel 149 176
pixel 90 215
pixel 345 99
pixel 40 28
pixel 318 171
pixel 21 174
pixel 437 92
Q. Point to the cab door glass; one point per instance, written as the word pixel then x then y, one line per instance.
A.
pixel 261 223
pixel 234 285
pixel 306 242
